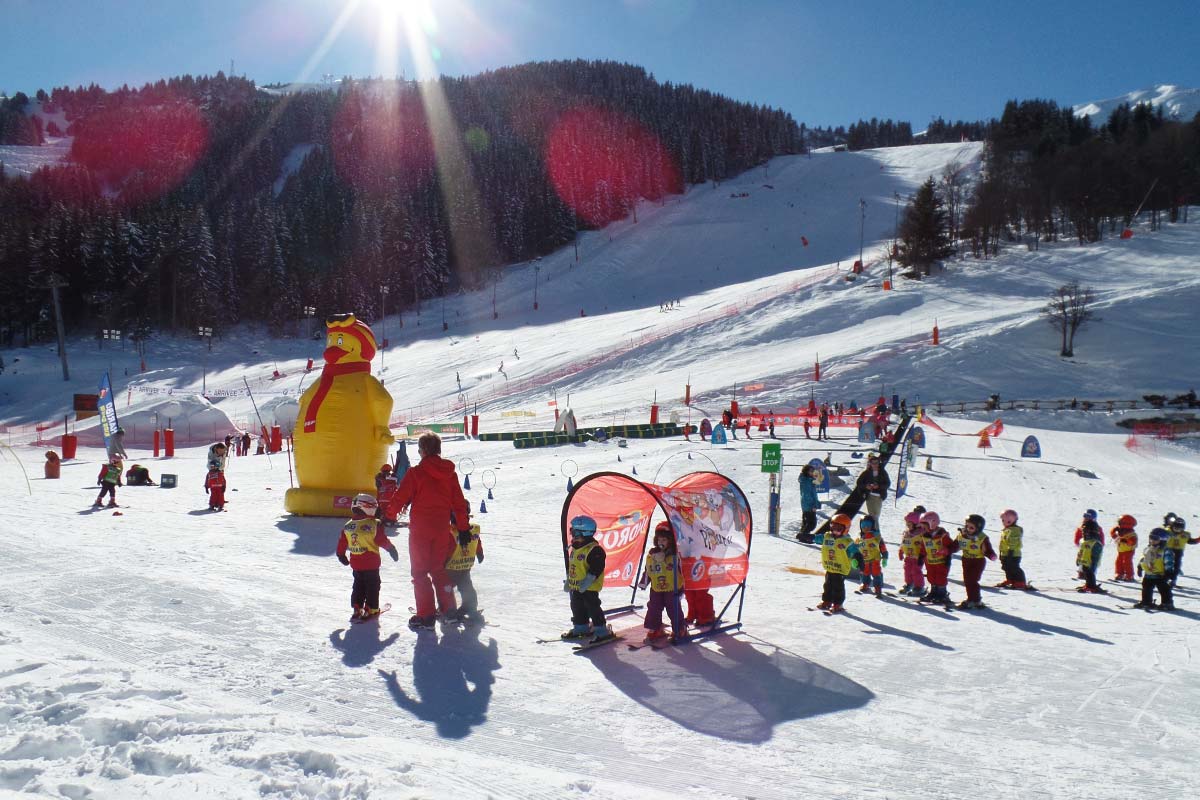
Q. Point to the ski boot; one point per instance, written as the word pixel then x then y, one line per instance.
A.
pixel 359 611
pixel 417 622
pixel 1005 585
pixel 824 605
pixel 879 591
pixel 602 633
pixel 577 632
pixel 836 608
pixel 865 589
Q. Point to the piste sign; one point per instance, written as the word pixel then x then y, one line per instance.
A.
pixel 772 456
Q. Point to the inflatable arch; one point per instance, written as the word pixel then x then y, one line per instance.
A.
pixel 712 521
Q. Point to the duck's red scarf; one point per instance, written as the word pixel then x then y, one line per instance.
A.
pixel 330 372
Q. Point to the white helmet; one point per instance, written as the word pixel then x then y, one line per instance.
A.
pixel 364 503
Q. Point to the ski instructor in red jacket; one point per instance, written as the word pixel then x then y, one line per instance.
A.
pixel 431 489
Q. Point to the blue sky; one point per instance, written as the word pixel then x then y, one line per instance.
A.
pixel 826 63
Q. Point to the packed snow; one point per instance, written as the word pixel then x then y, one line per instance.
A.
pixel 171 650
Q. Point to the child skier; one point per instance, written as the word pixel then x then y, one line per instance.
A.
pixel 838 556
pixel 912 555
pixel 1091 545
pixel 214 486
pixel 585 579
pixel 380 476
pixel 975 549
pixel 664 575
pixel 363 537
pixel 108 480
pixel 873 552
pixel 386 485
pixel 1155 570
pixel 1177 539
pixel 468 550
pixel 1126 538
pixel 939 547
pixel 1010 552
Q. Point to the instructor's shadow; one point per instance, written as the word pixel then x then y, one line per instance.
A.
pixel 453 680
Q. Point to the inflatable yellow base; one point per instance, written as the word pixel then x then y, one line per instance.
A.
pixel 311 502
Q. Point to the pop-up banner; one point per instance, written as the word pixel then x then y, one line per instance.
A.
pixel 708 511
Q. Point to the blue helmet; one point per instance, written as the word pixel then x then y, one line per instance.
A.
pixel 1090 514
pixel 583 526
pixel 866 523
pixel 1158 536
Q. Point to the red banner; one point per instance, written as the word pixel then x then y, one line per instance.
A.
pixel 622 508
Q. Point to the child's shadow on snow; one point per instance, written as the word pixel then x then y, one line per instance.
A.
pixel 360 643
pixel 452 678
pixel 738 692
pixel 315 536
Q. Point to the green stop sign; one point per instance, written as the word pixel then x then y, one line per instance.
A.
pixel 772 457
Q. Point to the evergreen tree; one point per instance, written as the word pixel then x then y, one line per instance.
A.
pixel 924 236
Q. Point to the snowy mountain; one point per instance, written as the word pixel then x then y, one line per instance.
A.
pixel 1177 103
pixel 173 651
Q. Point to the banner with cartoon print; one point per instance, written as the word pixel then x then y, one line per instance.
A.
pixel 709 513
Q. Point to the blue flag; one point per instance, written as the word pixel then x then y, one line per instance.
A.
pixel 1031 448
pixel 108 411
pixel 821 479
pixel 902 476
pixel 718 435
pixel 916 434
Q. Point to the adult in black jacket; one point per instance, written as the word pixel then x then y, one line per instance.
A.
pixel 873 485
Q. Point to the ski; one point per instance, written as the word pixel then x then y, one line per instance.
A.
pixel 383 609
pixel 597 643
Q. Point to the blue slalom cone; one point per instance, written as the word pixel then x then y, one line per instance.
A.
pixel 570 485
pixel 466 481
pixel 482 506
pixel 490 495
pixel 635 470
pixel 618 456
pixel 689 456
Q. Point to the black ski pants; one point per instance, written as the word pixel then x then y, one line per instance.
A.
pixel 835 589
pixel 1012 569
pixel 366 588
pixel 1160 582
pixel 585 608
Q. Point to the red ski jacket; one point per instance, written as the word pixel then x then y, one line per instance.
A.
pixel 432 489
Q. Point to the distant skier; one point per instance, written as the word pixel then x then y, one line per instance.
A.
pixel 585 579
pixel 823 422
pixel 873 553
pixel 215 485
pixel 975 550
pixel 1177 539
pixel 1127 539
pixel 1091 546
pixel 108 480
pixel 809 503
pixel 872 485
pixel 1155 569
pixel 912 555
pixel 363 537
pixel 1010 552
pixel 939 548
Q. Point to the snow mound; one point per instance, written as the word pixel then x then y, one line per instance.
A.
pixel 198 422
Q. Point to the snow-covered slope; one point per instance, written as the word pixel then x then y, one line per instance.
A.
pixel 1177 103
pixel 172 651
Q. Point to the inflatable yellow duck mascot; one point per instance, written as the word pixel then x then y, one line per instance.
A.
pixel 341 436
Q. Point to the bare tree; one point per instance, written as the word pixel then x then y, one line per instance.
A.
pixel 954 188
pixel 1069 309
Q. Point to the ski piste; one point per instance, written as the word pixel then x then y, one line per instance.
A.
pixel 383 609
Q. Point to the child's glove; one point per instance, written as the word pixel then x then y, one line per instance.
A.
pixel 342 558
pixel 566 585
pixel 855 563
pixel 464 538
pixel 1139 570
pixel 644 582
pixel 883 562
pixel 679 592
pixel 479 556
pixel 395 555
pixel 992 557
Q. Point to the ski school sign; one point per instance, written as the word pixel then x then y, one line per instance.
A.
pixel 708 512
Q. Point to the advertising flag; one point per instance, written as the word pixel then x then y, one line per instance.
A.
pixel 1031 448
pixel 107 407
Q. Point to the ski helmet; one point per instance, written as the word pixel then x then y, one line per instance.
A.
pixel 583 526
pixel 931 520
pixel 867 522
pixel 1090 514
pixel 912 518
pixel 386 468
pixel 1158 536
pixel 664 529
pixel 1170 515
pixel 214 464
pixel 977 521
pixel 840 519
pixel 1008 517
pixel 1178 524
pixel 918 509
pixel 364 503
pixel 1126 521
pixel 115 460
